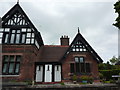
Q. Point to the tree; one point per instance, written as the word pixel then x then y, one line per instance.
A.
pixel 114 60
pixel 117 10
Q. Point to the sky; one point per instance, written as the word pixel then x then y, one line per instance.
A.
pixel 54 18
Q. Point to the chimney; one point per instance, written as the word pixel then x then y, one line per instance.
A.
pixel 64 40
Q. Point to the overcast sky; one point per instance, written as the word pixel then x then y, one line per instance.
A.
pixel 54 18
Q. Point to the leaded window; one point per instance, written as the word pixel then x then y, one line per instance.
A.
pixel 79 59
pixel 80 66
pixel 11 64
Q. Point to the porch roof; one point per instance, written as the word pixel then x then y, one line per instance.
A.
pixel 52 53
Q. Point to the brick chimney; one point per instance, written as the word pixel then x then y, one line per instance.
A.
pixel 64 40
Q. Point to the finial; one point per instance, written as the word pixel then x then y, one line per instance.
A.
pixel 78 30
pixel 17 1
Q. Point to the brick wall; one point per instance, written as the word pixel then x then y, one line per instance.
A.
pixel 27 68
pixel 70 59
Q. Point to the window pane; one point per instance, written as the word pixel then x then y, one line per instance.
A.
pixel 24 30
pixel 7 29
pixel 5 59
pixel 13 31
pixel 11 58
pixel 32 34
pixel 17 68
pixel 88 67
pixel 12 38
pixel 76 59
pixel 18 31
pixel 28 41
pixel 72 68
pixel 77 68
pixel 5 68
pixel 81 59
pixel 18 58
pixel 28 34
pixel 32 41
pixel 11 67
pixel 77 49
pixel 6 38
pixel 17 38
pixel 23 38
pixel 73 49
pixel 82 66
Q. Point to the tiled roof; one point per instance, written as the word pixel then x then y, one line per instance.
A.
pixel 52 53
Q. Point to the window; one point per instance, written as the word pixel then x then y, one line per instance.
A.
pixel 23 38
pixel 5 37
pixel 79 59
pixel 79 66
pixel 17 36
pixel 20 36
pixel 76 59
pixel 11 64
pixel 88 67
pixel 72 70
pixel 12 38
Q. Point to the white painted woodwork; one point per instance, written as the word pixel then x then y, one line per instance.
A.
pixel 39 73
pixel 48 73
pixel 57 73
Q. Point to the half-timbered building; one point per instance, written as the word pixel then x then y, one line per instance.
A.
pixel 25 57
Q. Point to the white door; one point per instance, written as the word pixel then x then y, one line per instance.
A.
pixel 48 73
pixel 57 73
pixel 39 73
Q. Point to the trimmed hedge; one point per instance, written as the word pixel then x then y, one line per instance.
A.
pixel 108 73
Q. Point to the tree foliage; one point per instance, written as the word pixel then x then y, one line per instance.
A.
pixel 114 60
pixel 117 10
pixel 107 70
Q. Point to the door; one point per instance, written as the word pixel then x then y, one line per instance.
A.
pixel 57 73
pixel 39 73
pixel 48 73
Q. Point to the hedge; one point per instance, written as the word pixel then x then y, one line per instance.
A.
pixel 108 73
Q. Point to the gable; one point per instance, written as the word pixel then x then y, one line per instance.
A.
pixel 79 44
pixel 16 17
pixel 18 29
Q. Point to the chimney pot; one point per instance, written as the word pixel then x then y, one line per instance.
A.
pixel 64 40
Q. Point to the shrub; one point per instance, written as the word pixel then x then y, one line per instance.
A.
pixel 86 78
pixel 112 81
pixel 101 76
pixel 74 78
pixel 62 83
pixel 108 73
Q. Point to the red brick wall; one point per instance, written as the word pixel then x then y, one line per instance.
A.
pixel 70 59
pixel 29 55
